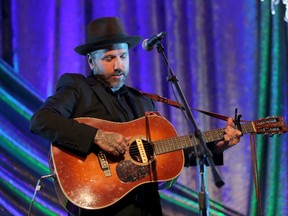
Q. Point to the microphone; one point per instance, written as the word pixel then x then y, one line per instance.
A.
pixel 149 43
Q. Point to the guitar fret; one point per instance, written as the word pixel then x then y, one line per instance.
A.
pixel 247 128
pixel 213 135
pixel 172 144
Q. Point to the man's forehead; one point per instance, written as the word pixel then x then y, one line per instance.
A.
pixel 118 46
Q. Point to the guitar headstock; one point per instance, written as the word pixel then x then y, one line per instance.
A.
pixel 271 125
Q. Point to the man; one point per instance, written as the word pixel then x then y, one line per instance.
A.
pixel 103 95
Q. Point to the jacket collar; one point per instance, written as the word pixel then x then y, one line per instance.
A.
pixel 102 93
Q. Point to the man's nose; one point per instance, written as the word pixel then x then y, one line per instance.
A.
pixel 117 64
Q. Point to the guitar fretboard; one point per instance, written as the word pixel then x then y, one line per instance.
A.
pixel 182 142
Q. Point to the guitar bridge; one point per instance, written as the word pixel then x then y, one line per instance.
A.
pixel 104 164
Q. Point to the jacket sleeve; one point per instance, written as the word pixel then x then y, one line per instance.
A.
pixel 54 120
pixel 190 156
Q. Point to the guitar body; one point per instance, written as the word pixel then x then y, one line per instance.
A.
pixel 85 184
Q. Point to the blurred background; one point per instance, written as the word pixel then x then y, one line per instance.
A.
pixel 226 54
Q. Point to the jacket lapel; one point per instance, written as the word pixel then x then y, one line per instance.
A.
pixel 102 94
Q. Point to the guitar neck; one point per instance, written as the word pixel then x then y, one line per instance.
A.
pixel 182 142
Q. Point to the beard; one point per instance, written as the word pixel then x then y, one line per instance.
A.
pixel 114 81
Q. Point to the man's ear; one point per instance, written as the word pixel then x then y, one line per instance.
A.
pixel 90 61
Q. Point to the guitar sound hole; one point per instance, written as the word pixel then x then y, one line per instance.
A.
pixel 135 153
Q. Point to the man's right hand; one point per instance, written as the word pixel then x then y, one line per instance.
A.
pixel 111 142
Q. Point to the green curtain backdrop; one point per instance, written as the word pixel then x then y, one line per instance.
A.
pixel 273 98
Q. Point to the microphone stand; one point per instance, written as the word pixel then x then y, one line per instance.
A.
pixel 206 154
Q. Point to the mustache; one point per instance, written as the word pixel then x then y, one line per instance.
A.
pixel 118 73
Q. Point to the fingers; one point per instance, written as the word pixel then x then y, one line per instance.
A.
pixel 231 137
pixel 230 127
pixel 120 144
pixel 113 143
pixel 231 140
pixel 229 122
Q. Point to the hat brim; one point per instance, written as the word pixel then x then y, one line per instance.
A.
pixel 84 49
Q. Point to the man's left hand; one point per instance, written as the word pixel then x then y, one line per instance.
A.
pixel 231 137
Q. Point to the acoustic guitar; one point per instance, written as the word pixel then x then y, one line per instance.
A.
pixel 155 156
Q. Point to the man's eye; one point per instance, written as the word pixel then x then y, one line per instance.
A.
pixel 108 58
pixel 124 56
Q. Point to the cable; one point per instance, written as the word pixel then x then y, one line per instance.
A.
pixel 37 188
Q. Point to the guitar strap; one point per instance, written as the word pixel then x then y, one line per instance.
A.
pixel 158 98
pixel 255 172
pixel 237 121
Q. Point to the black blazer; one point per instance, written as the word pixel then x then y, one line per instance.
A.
pixel 78 96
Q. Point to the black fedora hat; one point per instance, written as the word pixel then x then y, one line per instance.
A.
pixel 103 32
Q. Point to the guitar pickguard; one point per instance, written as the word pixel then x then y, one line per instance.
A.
pixel 136 169
pixel 127 171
